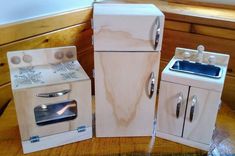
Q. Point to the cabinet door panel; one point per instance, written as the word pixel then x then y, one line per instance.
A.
pixel 123 107
pixel 201 126
pixel 169 97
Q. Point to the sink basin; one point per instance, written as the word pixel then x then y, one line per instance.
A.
pixel 195 68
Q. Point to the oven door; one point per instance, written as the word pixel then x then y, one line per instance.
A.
pixel 53 109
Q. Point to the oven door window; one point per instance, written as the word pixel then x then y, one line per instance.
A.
pixel 53 113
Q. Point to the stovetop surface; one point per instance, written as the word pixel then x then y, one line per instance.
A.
pixel 35 76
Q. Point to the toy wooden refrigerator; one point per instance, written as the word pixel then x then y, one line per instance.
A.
pixel 127 44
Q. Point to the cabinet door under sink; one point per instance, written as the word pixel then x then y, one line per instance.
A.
pixel 201 114
pixel 171 108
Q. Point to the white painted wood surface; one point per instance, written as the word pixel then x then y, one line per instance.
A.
pixel 127 27
pixel 56 140
pixel 167 121
pixel 203 124
pixel 123 107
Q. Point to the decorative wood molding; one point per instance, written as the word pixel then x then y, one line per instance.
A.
pixel 25 29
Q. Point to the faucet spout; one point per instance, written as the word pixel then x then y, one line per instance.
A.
pixel 200 50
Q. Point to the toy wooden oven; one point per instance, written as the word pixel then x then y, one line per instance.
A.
pixel 52 95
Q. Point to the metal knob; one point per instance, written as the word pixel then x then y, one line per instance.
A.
pixel 15 60
pixel 27 58
pixel 179 104
pixel 192 109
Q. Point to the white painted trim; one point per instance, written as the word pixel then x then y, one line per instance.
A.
pixel 56 140
pixel 184 141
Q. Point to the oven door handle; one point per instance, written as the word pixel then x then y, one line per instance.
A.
pixel 54 94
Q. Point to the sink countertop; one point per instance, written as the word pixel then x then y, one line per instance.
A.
pixel 196 80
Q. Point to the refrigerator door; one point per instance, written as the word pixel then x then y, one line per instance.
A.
pixel 126 84
pixel 127 27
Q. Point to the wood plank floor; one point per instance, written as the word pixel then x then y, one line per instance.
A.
pixel 223 141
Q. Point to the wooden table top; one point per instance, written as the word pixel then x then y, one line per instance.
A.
pixel 223 140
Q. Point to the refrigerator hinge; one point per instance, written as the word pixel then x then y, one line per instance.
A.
pixel 154 127
pixel 81 129
pixel 34 139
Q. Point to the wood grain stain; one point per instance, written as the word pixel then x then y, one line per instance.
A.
pixel 125 120
pixel 121 39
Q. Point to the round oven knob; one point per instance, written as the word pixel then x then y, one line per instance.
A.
pixel 59 55
pixel 15 60
pixel 27 58
pixel 69 54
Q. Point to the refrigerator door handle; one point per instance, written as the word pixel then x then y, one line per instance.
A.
pixel 158 32
pixel 152 85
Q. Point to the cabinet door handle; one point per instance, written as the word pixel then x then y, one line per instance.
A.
pixel 152 85
pixel 53 94
pixel 157 36
pixel 178 105
pixel 192 109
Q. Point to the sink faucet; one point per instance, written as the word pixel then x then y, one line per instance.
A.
pixel 199 56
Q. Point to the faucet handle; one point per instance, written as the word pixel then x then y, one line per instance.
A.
pixel 186 55
pixel 201 48
pixel 212 59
